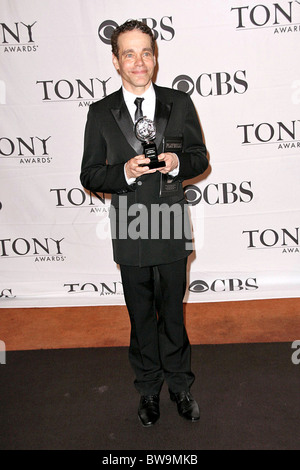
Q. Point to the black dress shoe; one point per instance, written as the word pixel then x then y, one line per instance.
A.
pixel 148 411
pixel 186 405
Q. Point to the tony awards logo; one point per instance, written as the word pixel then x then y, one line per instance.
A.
pixel 145 131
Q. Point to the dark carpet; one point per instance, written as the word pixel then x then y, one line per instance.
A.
pixel 84 399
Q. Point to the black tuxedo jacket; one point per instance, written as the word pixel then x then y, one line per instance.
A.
pixel 109 142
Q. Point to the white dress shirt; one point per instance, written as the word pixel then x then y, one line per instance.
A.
pixel 148 105
pixel 148 109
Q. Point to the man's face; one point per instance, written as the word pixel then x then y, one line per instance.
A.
pixel 136 62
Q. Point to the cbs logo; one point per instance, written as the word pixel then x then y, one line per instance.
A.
pixel 212 84
pixel 162 29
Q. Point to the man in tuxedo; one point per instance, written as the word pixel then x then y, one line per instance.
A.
pixel 151 233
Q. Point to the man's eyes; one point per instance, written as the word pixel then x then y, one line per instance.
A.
pixel 130 55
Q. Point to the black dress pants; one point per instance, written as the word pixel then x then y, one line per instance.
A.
pixel 159 346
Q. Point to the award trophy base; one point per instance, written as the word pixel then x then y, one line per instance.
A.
pixel 150 151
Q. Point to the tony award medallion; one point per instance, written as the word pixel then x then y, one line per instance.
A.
pixel 145 131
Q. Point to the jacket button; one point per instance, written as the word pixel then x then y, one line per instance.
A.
pixel 139 183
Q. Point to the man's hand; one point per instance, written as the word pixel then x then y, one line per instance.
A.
pixel 171 160
pixel 133 170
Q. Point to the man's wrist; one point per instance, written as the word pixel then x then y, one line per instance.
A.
pixel 175 172
pixel 129 181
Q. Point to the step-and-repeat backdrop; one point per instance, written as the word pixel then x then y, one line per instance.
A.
pixel 239 62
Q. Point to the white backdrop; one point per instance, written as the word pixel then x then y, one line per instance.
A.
pixel 238 59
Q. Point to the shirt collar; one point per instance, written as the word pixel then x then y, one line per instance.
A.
pixel 130 97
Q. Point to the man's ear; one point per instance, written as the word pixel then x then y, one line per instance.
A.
pixel 115 62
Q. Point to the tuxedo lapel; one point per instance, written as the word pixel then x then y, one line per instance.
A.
pixel 162 115
pixel 124 121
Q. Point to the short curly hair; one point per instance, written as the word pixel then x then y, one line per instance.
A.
pixel 130 26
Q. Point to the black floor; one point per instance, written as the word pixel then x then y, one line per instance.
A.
pixel 84 399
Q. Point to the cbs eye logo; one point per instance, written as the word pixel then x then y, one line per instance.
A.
pixel 193 194
pixel 198 286
pixel 106 29
pixel 184 83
